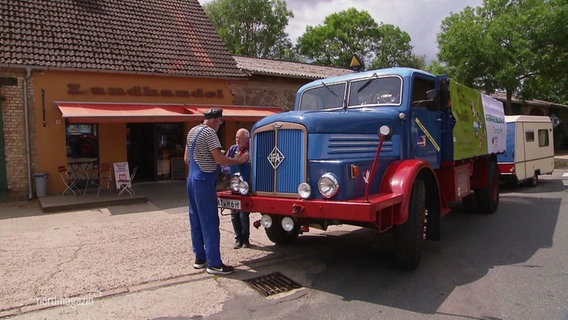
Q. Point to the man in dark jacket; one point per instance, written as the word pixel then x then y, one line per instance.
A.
pixel 240 219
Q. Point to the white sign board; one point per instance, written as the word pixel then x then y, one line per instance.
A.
pixel 121 174
pixel 495 122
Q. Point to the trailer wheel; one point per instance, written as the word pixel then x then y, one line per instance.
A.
pixel 487 199
pixel 533 182
pixel 280 236
pixel 410 235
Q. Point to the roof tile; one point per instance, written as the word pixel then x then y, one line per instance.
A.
pixel 157 36
pixel 268 67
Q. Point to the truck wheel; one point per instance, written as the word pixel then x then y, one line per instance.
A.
pixel 410 235
pixel 280 236
pixel 487 199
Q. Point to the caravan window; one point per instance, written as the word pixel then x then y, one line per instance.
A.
pixel 529 136
pixel 543 138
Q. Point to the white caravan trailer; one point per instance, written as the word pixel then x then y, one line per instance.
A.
pixel 530 149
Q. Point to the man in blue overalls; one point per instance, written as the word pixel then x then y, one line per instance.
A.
pixel 203 154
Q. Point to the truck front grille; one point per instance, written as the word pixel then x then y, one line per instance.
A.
pixel 280 152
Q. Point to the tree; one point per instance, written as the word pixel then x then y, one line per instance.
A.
pixel 511 45
pixel 253 28
pixel 435 67
pixel 355 32
pixel 394 49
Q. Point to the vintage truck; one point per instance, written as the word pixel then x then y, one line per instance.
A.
pixel 388 149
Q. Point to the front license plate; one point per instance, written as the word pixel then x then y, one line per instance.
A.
pixel 229 203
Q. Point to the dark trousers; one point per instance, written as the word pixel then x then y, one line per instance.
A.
pixel 241 225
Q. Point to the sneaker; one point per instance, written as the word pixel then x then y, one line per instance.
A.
pixel 199 264
pixel 237 245
pixel 223 269
pixel 246 244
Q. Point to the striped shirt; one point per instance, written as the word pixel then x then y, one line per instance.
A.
pixel 206 142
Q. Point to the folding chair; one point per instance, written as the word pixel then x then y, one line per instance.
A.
pixel 105 177
pixel 68 180
pixel 126 185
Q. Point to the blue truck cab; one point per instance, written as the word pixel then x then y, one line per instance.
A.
pixel 334 126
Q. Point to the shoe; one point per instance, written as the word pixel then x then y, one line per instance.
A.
pixel 199 264
pixel 223 269
pixel 237 245
pixel 246 244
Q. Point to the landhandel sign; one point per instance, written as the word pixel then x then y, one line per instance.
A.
pixel 75 88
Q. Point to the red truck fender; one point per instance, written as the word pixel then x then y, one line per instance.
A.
pixel 399 179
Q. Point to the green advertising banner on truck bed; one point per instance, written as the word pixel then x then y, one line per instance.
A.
pixel 480 123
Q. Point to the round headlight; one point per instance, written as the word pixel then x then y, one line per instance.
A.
pixel 243 188
pixel 328 185
pixel 287 224
pixel 266 221
pixel 384 130
pixel 304 190
pixel 235 182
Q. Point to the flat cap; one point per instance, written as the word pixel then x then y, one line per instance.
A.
pixel 213 113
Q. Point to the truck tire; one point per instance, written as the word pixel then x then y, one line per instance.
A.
pixel 487 199
pixel 410 236
pixel 280 236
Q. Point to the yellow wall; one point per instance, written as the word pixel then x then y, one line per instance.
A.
pixel 51 86
pixel 112 142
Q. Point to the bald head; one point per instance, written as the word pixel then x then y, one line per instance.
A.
pixel 242 137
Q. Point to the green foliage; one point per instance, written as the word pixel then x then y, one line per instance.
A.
pixel 519 46
pixel 252 28
pixel 355 32
pixel 394 49
pixel 435 67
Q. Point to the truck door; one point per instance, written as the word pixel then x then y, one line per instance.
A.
pixel 425 123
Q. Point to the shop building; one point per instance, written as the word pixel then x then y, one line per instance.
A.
pixel 84 83
pixel 90 82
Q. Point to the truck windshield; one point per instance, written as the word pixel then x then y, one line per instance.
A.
pixel 327 96
pixel 375 91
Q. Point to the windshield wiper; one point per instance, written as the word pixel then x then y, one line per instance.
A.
pixel 344 102
pixel 373 77
pixel 329 89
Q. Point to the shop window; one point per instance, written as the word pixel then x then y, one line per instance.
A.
pixel 82 141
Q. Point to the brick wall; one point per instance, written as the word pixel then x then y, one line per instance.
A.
pixel 267 92
pixel 13 125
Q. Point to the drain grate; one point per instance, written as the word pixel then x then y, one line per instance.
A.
pixel 272 284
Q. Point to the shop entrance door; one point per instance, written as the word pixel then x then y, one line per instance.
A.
pixel 152 146
pixel 140 149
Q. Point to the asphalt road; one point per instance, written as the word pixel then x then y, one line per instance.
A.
pixel 134 262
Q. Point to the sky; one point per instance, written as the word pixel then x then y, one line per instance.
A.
pixel 421 19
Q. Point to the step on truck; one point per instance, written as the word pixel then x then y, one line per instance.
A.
pixel 387 149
